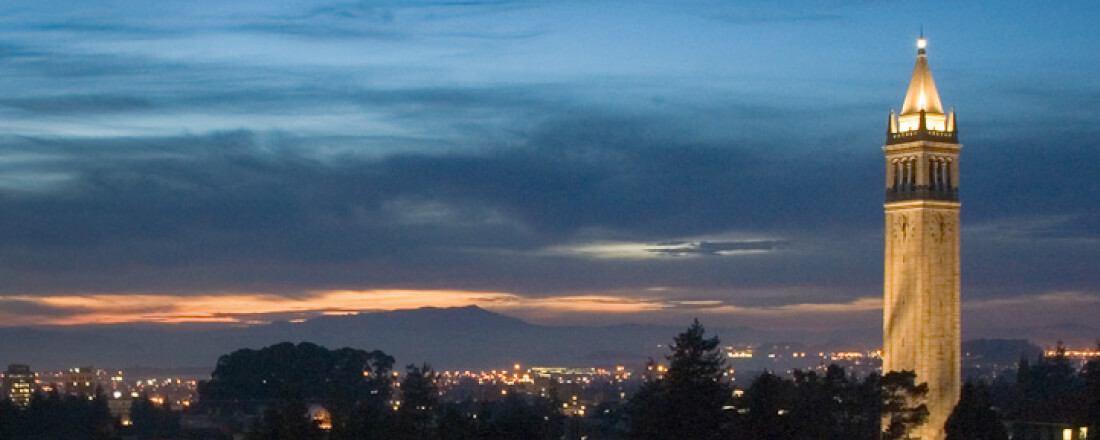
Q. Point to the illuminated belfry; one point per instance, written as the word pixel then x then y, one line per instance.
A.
pixel 921 286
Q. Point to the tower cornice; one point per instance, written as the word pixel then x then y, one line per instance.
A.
pixel 923 135
pixel 922 146
pixel 922 204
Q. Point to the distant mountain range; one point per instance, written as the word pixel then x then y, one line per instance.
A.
pixel 449 338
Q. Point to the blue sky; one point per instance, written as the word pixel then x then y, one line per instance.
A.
pixel 565 162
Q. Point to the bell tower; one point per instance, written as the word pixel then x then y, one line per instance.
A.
pixel 921 286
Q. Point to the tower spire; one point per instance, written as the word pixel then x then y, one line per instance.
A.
pixel 922 95
pixel 921 42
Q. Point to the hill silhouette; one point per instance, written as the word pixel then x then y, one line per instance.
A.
pixel 451 338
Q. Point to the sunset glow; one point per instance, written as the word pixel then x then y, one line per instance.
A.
pixel 262 308
pixel 248 309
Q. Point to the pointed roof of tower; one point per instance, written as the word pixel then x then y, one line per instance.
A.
pixel 922 93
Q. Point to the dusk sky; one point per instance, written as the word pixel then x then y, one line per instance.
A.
pixel 565 162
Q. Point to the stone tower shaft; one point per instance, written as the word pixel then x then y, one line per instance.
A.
pixel 921 311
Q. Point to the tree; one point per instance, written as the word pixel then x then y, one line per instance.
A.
pixel 55 416
pixel 287 418
pixel 152 421
pixel 354 385
pixel 419 396
pixel 1050 391
pixel 1091 374
pixel 974 418
pixel 687 401
pixel 9 418
pixel 519 417
pixel 646 408
pixel 833 406
pixel 770 402
pixel 903 407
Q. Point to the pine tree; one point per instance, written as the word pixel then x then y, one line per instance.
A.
pixel 687 401
pixel 419 396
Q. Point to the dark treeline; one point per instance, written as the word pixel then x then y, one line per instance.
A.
pixel 693 400
pixel 54 416
pixel 1049 391
pixel 357 389
pixel 275 393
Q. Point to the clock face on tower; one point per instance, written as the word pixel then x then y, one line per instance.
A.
pixel 901 228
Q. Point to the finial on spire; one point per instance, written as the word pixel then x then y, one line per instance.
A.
pixel 921 42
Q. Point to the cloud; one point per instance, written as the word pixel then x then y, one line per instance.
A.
pixel 667 249
pixel 75 104
pixel 1080 228
pixel 20 311
pixel 274 211
pixel 1071 298
pixel 196 149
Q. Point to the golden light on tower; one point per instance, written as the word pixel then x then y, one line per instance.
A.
pixel 922 97
pixel 921 308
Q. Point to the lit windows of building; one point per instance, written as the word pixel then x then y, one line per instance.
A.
pixel 19 384
pixel 81 381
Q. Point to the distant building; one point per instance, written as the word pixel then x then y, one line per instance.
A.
pixel 119 405
pixel 81 381
pixel 921 305
pixel 1047 431
pixel 19 384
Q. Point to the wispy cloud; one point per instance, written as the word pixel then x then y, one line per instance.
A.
pixel 667 249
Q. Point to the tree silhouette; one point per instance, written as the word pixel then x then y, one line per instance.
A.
pixel 973 418
pixel 152 421
pixel 56 416
pixel 1050 391
pixel 9 419
pixel 903 407
pixel 1091 374
pixel 419 396
pixel 287 418
pixel 517 417
pixel 354 385
pixel 770 402
pixel 687 401
pixel 834 406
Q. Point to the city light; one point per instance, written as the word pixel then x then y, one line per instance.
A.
pixel 1075 353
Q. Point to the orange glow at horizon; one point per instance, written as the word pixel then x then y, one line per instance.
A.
pixel 258 308
pixel 247 309
pixel 240 308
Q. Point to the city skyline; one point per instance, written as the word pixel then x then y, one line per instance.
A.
pixel 565 164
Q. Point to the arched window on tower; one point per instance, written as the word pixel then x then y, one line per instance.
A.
pixel 932 173
pixel 898 175
pixel 909 177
